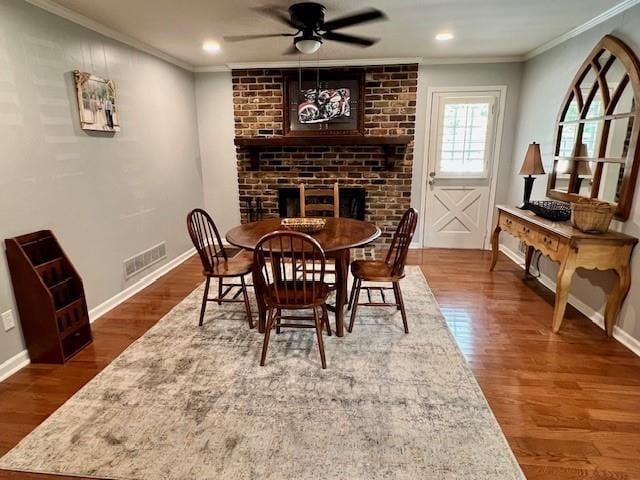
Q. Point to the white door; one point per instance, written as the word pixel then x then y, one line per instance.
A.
pixel 460 166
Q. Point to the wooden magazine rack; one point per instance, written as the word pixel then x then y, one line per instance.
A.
pixel 50 297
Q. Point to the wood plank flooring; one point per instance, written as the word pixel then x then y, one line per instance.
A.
pixel 569 404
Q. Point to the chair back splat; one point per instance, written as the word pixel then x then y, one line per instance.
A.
pixel 397 254
pixel 206 239
pixel 291 267
pixel 325 201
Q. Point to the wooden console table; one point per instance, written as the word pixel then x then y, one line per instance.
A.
pixel 572 249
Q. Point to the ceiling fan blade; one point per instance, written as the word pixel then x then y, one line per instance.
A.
pixel 242 38
pixel 341 37
pixel 292 50
pixel 364 16
pixel 279 15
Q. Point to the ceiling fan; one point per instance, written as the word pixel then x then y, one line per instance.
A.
pixel 307 19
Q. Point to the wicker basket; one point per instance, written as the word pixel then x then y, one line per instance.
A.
pixel 591 216
pixel 305 225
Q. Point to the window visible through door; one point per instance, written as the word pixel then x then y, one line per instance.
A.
pixel 464 138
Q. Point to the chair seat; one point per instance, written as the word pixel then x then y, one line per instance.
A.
pixel 241 264
pixel 373 271
pixel 295 294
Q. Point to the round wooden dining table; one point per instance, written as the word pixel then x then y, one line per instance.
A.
pixel 337 239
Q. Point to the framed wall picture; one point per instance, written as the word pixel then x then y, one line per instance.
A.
pixel 325 103
pixel 96 103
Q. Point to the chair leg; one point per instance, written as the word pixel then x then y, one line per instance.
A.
pixel 220 285
pixel 319 329
pixel 396 286
pixel 267 331
pixel 353 291
pixel 325 315
pixel 204 300
pixel 354 309
pixel 278 319
pixel 396 295
pixel 247 304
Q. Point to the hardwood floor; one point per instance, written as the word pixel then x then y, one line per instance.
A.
pixel 569 404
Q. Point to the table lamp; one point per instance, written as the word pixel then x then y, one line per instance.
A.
pixel 584 170
pixel 532 165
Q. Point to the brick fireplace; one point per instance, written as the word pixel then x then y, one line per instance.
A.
pixel 390 103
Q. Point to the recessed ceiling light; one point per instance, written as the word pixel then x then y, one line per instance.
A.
pixel 211 47
pixel 444 36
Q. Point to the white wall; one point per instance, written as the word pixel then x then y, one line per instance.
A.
pixel 106 197
pixel 214 96
pixel 472 75
pixel 545 81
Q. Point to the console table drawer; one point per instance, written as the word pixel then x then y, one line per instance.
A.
pixel 550 242
pixel 509 224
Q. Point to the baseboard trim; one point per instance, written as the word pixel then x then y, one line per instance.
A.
pixel 595 316
pixel 14 364
pixel 99 310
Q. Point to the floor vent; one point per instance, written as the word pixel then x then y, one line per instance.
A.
pixel 143 260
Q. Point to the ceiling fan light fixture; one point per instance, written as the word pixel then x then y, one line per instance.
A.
pixel 308 44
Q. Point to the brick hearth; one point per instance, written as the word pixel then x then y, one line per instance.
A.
pixel 390 104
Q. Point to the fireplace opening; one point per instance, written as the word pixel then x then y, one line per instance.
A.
pixel 352 202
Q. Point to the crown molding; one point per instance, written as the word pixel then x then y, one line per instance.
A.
pixel 359 62
pixel 97 27
pixel 212 69
pixel 597 20
pixel 468 60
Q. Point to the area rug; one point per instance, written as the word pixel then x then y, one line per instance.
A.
pixel 185 402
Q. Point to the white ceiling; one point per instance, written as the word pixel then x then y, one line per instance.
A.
pixel 482 28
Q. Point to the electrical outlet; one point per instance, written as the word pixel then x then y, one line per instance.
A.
pixel 8 321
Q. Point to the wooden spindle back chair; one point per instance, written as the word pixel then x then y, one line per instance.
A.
pixel 216 263
pixel 289 274
pixel 322 207
pixel 390 270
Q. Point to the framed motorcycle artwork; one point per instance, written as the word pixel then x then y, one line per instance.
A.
pixel 326 103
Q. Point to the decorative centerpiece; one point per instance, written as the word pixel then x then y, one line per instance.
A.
pixel 551 210
pixel 590 216
pixel 305 225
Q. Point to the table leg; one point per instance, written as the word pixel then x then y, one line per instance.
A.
pixel 563 285
pixel 528 258
pixel 342 273
pixel 495 245
pixel 614 302
pixel 262 306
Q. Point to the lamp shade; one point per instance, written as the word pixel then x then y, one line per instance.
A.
pixel 532 164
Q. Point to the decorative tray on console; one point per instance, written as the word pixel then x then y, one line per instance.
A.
pixel 556 211
pixel 305 225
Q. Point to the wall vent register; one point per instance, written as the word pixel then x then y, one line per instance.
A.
pixel 145 259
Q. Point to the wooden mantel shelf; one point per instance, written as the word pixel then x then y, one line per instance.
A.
pixel 388 143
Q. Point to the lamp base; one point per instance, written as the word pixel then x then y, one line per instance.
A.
pixel 528 187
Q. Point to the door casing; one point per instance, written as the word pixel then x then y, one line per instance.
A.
pixel 494 161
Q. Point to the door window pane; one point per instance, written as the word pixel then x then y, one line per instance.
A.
pixel 463 139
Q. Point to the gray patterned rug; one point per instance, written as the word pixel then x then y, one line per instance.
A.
pixel 185 402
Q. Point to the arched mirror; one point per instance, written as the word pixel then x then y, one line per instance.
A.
pixel 596 151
